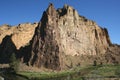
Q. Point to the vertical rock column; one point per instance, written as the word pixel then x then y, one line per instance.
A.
pixel 45 49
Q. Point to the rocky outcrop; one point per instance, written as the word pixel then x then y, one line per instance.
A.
pixel 20 35
pixel 45 46
pixel 16 39
pixel 62 33
pixel 80 35
pixel 113 54
pixel 7 47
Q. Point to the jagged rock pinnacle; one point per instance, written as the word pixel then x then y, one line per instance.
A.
pixel 51 10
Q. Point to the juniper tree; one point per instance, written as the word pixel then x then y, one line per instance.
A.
pixel 14 63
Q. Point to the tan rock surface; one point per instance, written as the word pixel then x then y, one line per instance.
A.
pixel 64 36
pixel 21 34
pixel 80 35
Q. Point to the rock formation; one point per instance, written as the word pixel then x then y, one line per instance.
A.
pixel 62 39
pixel 13 39
pixel 20 34
pixel 62 34
pixel 45 46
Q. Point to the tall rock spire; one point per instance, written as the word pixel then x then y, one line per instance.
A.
pixel 45 51
pixel 51 10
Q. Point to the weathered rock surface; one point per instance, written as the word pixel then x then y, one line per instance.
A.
pixel 20 35
pixel 62 39
pixel 45 46
pixel 13 39
pixel 80 35
pixel 63 36
pixel 113 54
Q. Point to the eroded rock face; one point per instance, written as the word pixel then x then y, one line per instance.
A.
pixel 64 32
pixel 80 35
pixel 45 48
pixel 15 39
pixel 20 35
pixel 7 47
pixel 113 54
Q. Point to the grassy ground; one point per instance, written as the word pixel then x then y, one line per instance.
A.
pixel 107 71
pixel 77 73
pixel 46 75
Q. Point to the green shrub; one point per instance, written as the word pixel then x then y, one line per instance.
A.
pixel 117 71
pixel 95 63
pixel 14 63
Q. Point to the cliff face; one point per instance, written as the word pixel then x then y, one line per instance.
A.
pixel 64 32
pixel 20 35
pixel 80 35
pixel 45 46
pixel 62 39
pixel 13 39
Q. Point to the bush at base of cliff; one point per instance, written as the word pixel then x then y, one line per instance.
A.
pixel 14 63
pixel 117 72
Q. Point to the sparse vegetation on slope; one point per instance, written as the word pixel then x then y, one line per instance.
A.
pixel 105 71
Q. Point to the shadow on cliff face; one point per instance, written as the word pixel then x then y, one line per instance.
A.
pixel 7 47
pixel 24 53
pixel 45 48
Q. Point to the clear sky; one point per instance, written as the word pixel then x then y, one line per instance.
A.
pixel 106 13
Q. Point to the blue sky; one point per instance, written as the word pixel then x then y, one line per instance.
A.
pixel 106 13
